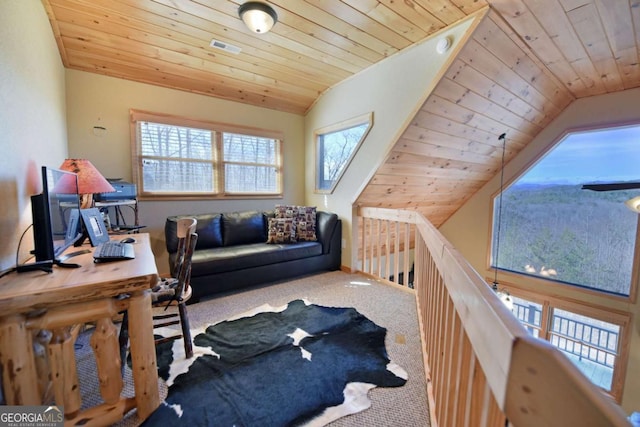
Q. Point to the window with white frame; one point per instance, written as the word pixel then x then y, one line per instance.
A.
pixel 335 147
pixel 178 157
pixel 593 339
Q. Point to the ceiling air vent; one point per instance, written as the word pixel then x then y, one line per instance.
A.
pixel 225 46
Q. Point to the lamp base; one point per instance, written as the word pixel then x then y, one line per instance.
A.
pixel 86 201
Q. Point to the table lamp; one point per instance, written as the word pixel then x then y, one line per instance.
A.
pixel 90 181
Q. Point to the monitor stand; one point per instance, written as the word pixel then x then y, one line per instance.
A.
pixel 47 266
pixel 60 262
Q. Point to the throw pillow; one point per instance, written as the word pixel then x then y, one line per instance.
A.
pixel 281 230
pixel 304 218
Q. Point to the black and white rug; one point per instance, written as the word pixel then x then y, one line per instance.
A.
pixel 300 364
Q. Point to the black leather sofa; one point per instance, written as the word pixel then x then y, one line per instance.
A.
pixel 232 252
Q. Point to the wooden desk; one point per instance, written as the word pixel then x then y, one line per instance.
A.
pixel 34 301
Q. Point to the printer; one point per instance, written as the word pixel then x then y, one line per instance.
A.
pixel 124 191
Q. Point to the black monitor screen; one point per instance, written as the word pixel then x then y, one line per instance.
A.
pixel 56 214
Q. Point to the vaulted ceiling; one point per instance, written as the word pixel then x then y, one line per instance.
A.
pixel 524 63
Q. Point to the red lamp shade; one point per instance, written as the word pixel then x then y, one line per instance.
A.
pixel 67 184
pixel 90 181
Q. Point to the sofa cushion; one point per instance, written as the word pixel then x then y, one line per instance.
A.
pixel 239 228
pixel 231 258
pixel 281 230
pixel 208 229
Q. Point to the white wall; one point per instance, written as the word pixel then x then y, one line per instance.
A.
pixel 393 89
pixel 96 100
pixel 32 117
pixel 468 229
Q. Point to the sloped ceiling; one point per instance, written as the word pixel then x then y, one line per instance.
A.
pixel 523 65
pixel 451 148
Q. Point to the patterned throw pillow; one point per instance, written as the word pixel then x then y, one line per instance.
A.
pixel 304 218
pixel 281 230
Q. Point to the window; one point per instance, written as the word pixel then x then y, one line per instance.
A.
pixel 593 339
pixel 250 164
pixel 553 228
pixel 179 157
pixel 335 147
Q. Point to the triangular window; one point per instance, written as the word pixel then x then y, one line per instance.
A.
pixel 335 147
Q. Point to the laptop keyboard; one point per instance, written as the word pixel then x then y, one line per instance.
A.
pixel 113 251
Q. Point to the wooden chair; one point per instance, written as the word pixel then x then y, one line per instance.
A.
pixel 174 291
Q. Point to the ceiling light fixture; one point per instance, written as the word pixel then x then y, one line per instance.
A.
pixel 258 17
pixel 443 45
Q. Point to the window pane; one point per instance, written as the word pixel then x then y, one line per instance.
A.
pixel 250 179
pixel 251 164
pixel 174 141
pixel 551 227
pixel 529 314
pixel 592 345
pixel 335 150
pixel 249 149
pixel 174 176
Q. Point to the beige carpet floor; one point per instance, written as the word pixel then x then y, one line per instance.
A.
pixel 387 306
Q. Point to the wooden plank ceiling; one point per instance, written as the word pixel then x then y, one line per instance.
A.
pixel 524 64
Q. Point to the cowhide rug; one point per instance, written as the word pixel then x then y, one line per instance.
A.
pixel 300 364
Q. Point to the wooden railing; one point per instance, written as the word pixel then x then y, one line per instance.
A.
pixel 482 367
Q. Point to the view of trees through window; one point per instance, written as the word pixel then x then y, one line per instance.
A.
pixel 175 158
pixel 251 163
pixel 180 160
pixel 336 145
pixel 553 228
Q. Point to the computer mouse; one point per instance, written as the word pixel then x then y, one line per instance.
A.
pixel 128 240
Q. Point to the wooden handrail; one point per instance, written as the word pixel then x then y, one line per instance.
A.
pixel 482 366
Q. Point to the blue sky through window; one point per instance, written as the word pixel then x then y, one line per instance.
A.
pixel 606 155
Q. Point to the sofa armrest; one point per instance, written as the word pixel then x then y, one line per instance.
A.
pixel 329 231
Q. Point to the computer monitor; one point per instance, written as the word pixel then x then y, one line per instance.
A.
pixel 56 218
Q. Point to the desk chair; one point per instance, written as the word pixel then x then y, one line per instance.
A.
pixel 172 292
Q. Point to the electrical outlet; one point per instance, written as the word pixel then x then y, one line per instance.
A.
pixel 344 243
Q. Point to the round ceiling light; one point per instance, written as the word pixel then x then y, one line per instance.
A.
pixel 258 17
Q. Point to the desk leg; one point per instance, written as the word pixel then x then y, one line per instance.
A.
pixel 64 374
pixel 107 353
pixel 19 379
pixel 143 354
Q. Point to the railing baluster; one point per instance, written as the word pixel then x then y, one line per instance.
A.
pixel 481 365
pixel 407 247
pixel 396 255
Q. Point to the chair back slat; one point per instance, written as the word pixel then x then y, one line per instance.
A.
pixel 184 277
pixel 185 228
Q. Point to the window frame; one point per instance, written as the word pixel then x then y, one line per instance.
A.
pixel 622 319
pixel 218 163
pixel 555 284
pixel 366 118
